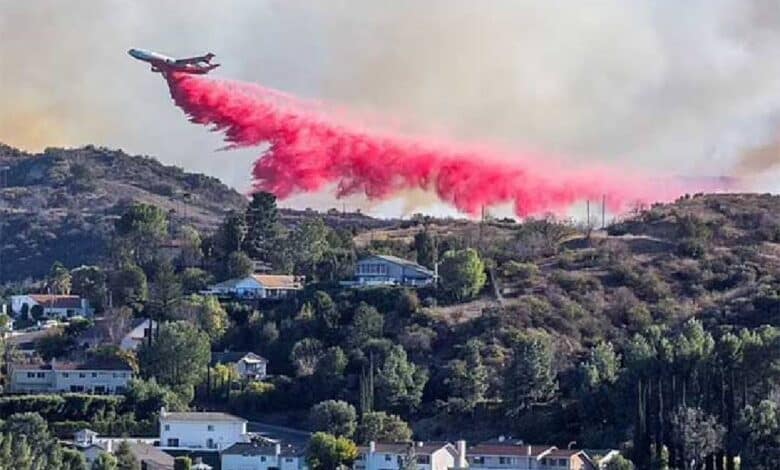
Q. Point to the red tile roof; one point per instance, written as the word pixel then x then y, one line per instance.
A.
pixel 57 301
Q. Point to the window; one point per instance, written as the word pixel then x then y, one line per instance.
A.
pixel 76 388
pixel 82 375
pixel 167 427
pixel 210 444
pixel 94 374
pixel 503 460
pixel 478 460
pixel 388 458
pixel 262 458
pixel 424 459
pixel 173 443
pixel 544 461
pixel 66 374
pixel 31 375
pixel 41 375
pixel 288 459
pixel 210 427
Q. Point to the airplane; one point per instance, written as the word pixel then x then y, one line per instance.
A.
pixel 164 64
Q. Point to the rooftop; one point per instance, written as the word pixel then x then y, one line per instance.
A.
pixel 57 301
pixel 89 364
pixel 278 281
pixel 402 447
pixel 403 262
pixel 229 357
pixel 253 448
pixel 200 416
pixel 509 449
pixel 149 454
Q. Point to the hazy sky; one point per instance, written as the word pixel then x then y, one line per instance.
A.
pixel 684 87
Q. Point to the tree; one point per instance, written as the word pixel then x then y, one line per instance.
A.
pixel 140 230
pixel 90 283
pixel 334 417
pixel 409 459
pixel 262 220
pixel 367 323
pixel 699 435
pixel 238 265
pixel 195 280
pixel 72 459
pixel 305 355
pixel 59 280
pixel 328 452
pixel 232 233
pixel 129 286
pixel 602 366
pixel 205 312
pixel 105 461
pixel 165 293
pixel 400 383
pixel 191 252
pixel 619 463
pixel 307 246
pixel 760 432
pixel 329 371
pixel 468 378
pixel 182 463
pixel 530 379
pixel 379 426
pixel 146 397
pixel 425 246
pixel 178 357
pixel 462 274
pixel 325 312
pixel 125 458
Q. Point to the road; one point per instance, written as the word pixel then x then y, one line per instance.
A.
pixel 286 435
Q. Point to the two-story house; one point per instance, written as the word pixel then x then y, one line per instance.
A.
pixel 249 365
pixel 201 430
pixel 256 456
pixel 429 455
pixel 257 286
pixel 509 456
pixel 379 270
pixel 91 376
pixel 50 306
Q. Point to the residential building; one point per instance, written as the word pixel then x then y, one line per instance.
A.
pixel 257 286
pixel 91 376
pixel 201 430
pixel 150 457
pixel 511 456
pixel 379 270
pixel 91 445
pixel 249 365
pixel 429 456
pixel 125 333
pixel 601 457
pixel 138 333
pixel 52 306
pixel 256 456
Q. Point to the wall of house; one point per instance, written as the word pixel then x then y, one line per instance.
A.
pixel 442 460
pixel 491 462
pixel 41 381
pixel 111 381
pixel 195 434
pixel 134 338
pixel 261 462
pixel 245 369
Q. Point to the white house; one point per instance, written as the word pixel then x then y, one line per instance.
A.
pixel 429 456
pixel 257 286
pixel 249 365
pixel 92 376
pixel 201 430
pixel 510 456
pixel 255 456
pixel 139 332
pixel 53 306
pixel 91 445
pixel 381 270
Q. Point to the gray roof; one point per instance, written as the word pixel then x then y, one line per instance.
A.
pixel 230 357
pixel 151 455
pixel 403 262
pixel 201 416
pixel 253 448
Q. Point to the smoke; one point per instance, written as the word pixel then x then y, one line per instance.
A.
pixel 654 85
pixel 311 147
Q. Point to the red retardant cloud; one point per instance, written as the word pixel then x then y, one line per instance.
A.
pixel 309 150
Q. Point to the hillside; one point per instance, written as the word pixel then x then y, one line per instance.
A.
pixel 61 204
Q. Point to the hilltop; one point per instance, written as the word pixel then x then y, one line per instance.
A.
pixel 61 204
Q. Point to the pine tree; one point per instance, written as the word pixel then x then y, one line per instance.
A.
pixel 262 221
pixel 530 379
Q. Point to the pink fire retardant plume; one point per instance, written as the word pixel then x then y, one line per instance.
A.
pixel 310 149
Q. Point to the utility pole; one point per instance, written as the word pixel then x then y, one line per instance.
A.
pixel 603 211
pixel 587 210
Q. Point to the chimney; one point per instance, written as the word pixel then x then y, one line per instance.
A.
pixel 420 443
pixel 461 444
pixel 372 447
pixel 163 413
pixel 530 450
pixel 501 438
pixel 278 449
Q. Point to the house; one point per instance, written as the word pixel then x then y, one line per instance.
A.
pixel 257 286
pixel 601 457
pixel 51 306
pixel 91 445
pixel 249 365
pixel 509 455
pixel 256 456
pixel 91 376
pixel 201 430
pixel 138 333
pixel 429 456
pixel 150 457
pixel 381 270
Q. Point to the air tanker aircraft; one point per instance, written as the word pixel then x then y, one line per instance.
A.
pixel 161 63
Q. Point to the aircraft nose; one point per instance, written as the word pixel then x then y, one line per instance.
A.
pixel 133 53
